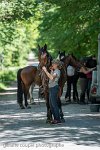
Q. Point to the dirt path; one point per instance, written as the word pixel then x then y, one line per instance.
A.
pixel 81 128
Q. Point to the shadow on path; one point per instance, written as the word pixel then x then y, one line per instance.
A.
pixel 81 126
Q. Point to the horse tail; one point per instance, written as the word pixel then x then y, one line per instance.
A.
pixel 19 87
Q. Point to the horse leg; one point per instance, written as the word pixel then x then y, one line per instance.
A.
pixel 20 97
pixel 26 91
pixel 19 89
pixel 31 94
pixel 49 114
pixel 60 104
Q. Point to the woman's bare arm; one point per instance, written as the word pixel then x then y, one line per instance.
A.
pixel 51 77
pixel 85 71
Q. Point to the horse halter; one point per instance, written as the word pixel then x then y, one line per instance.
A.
pixel 44 60
pixel 61 55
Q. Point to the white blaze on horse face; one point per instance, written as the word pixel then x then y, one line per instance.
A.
pixel 43 55
pixel 62 57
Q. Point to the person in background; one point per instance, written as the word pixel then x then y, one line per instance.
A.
pixel 75 91
pixel 70 77
pixel 91 63
pixel 53 90
pixel 83 86
pixel 85 78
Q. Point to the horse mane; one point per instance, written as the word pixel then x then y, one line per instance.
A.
pixel 62 79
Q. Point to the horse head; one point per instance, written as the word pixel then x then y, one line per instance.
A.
pixel 69 59
pixel 66 59
pixel 44 56
pixel 61 55
pixel 44 60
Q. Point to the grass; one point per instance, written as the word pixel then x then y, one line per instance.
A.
pixel 2 86
pixel 6 77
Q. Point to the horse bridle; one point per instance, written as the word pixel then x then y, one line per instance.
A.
pixel 42 74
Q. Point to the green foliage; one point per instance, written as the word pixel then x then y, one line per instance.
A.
pixel 69 25
pixel 18 30
pixel 2 86
pixel 6 76
pixel 16 9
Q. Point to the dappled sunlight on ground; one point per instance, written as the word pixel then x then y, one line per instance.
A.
pixel 29 125
pixel 7 93
pixel 11 88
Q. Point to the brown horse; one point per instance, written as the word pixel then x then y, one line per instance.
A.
pixel 25 78
pixel 70 58
pixel 33 75
pixel 45 60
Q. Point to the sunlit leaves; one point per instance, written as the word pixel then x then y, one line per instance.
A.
pixel 16 9
pixel 18 29
pixel 70 25
pixel 73 27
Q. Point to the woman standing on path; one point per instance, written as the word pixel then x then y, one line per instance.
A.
pixel 53 90
pixel 85 82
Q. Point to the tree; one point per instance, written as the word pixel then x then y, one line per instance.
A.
pixel 71 25
pixel 18 29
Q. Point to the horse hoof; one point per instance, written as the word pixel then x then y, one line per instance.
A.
pixel 28 107
pixel 33 103
pixel 48 121
pixel 22 107
pixel 62 120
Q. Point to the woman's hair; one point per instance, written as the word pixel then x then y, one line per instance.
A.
pixel 58 62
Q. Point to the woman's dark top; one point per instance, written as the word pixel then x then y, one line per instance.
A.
pixel 82 75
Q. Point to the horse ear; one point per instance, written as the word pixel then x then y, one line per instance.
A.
pixel 72 54
pixel 59 52
pixel 45 47
pixel 38 47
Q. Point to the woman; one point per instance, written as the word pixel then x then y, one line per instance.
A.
pixel 70 77
pixel 53 90
pixel 85 82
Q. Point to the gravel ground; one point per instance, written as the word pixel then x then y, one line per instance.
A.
pixel 28 126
